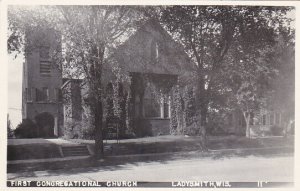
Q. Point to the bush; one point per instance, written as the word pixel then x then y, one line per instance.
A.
pixel 192 130
pixel 217 123
pixel 78 130
pixel 292 129
pixel 10 132
pixel 72 129
pixel 45 123
pixel 276 130
pixel 26 129
pixel 87 131
pixel 256 131
pixel 142 128
pixel 195 128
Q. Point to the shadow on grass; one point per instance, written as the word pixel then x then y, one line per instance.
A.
pixel 32 151
pixel 108 163
pixel 263 153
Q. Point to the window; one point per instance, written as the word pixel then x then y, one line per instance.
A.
pixel 264 120
pixel 46 93
pixel 44 53
pixel 57 94
pixel 277 119
pixel 152 107
pixel 271 118
pixel 156 109
pixel 42 95
pixel 29 95
pixel 166 110
pixel 38 95
pixel 45 68
pixel 155 51
pixel 32 93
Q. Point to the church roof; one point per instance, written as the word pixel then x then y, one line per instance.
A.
pixel 152 50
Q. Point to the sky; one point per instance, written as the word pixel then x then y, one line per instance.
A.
pixel 15 89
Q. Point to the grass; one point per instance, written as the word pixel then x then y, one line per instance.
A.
pixel 32 151
pixel 159 144
pixel 173 146
pixel 163 144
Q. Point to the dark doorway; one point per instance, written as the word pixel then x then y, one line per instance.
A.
pixel 45 124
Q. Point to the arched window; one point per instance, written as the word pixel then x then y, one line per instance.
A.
pixel 155 51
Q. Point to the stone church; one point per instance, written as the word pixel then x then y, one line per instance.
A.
pixel 152 59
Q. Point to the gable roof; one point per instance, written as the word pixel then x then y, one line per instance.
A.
pixel 136 54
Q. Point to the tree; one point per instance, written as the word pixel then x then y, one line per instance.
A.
pixel 254 67
pixel 210 33
pixel 89 36
pixel 283 85
pixel 10 132
pixel 93 32
pixel 26 129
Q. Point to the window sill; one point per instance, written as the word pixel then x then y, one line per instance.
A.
pixel 156 118
pixel 45 102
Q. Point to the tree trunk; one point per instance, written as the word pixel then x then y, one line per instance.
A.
pixel 247 130
pixel 98 114
pixel 202 107
pixel 95 97
pixel 203 111
pixel 203 127
pixel 141 106
pixel 247 120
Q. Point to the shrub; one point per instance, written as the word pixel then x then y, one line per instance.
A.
pixel 26 129
pixel 257 131
pixel 72 129
pixel 142 128
pixel 10 132
pixel 276 130
pixel 45 123
pixel 292 129
pixel 87 131
pixel 217 123
pixel 78 130
pixel 192 130
pixel 195 128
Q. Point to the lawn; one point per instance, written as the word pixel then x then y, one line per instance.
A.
pixel 22 149
pixel 169 143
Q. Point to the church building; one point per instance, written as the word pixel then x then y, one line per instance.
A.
pixel 154 62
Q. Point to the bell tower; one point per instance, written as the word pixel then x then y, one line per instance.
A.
pixel 42 81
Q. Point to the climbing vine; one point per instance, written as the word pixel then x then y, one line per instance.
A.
pixel 160 87
pixel 182 109
pixel 128 119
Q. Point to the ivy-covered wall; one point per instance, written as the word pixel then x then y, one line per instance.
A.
pixel 183 111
